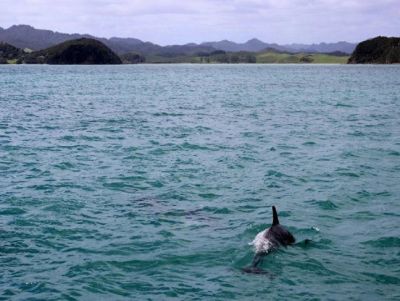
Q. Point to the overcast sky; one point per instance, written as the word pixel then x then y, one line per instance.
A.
pixel 174 21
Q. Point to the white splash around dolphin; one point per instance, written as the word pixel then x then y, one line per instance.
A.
pixel 261 244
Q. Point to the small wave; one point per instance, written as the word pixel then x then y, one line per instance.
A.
pixel 190 146
pixel 384 242
pixel 217 210
pixel 247 208
pixel 90 138
pixel 209 196
pixel 121 186
pixel 274 173
pixel 349 174
pixel 273 185
pixel 364 194
pixel 68 138
pixel 156 184
pixel 64 165
pixel 356 134
pixel 343 105
pixel 168 114
pixel 12 211
pixel 325 205
pixel 349 154
pixel 34 287
pixel 315 266
pixel 384 279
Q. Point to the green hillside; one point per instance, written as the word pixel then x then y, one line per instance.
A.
pixel 273 57
pixel 268 57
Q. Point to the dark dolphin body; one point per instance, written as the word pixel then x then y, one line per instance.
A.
pixel 277 234
pixel 268 240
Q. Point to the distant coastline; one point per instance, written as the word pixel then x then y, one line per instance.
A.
pixel 26 44
pixel 23 44
pixel 91 51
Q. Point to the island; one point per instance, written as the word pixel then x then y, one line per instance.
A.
pixel 379 50
pixel 83 51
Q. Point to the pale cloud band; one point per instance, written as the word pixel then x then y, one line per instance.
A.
pixel 173 21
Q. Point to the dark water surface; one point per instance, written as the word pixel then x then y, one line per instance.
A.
pixel 148 182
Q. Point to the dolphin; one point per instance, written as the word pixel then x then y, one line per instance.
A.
pixel 267 241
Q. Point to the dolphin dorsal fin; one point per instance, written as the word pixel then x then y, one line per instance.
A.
pixel 275 220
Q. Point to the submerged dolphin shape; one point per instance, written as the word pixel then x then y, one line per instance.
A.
pixel 268 240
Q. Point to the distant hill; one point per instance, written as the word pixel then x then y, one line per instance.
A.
pixel 379 50
pixel 25 36
pixel 81 51
pixel 124 45
pixel 255 45
pixel 343 47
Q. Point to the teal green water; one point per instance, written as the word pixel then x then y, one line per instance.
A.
pixel 148 182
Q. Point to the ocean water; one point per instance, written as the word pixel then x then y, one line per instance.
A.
pixel 148 182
